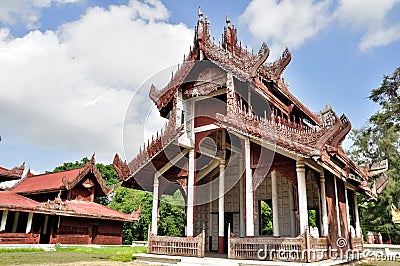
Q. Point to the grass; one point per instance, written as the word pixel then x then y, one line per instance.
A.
pixel 18 256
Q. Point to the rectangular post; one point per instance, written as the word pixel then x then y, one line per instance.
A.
pixel 275 207
pixel 29 223
pixel 337 208
pixel 292 209
pixel 3 221
pixel 221 207
pixel 302 192
pixel 190 195
pixel 249 191
pixel 357 217
pixel 323 205
pixel 242 228
pixel 15 224
pixel 154 212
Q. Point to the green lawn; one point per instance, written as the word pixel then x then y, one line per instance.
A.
pixel 67 255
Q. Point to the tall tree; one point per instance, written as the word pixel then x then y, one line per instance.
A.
pixel 172 213
pixel 378 140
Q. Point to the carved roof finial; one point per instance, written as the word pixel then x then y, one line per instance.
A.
pixel 228 21
pixel 200 13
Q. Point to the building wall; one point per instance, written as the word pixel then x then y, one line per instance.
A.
pixel 88 231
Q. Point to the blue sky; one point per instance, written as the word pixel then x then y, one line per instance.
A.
pixel 70 68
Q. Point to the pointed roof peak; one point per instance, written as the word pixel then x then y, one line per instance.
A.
pixel 200 13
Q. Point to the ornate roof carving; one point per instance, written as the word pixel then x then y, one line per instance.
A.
pixel 167 135
pixel 11 174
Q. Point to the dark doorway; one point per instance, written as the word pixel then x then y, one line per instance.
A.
pixel 95 229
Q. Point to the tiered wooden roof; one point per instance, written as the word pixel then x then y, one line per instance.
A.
pixel 60 181
pixel 17 198
pixel 290 125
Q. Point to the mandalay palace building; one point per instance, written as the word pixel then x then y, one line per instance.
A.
pixel 238 140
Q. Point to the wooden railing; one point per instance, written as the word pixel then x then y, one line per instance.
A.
pixel 19 238
pixel 303 248
pixel 357 244
pixel 180 246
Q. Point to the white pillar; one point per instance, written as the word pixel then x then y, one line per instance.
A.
pixel 249 192
pixel 241 200
pixel 210 210
pixel 275 207
pixel 29 223
pixel 221 207
pixel 3 220
pixel 347 209
pixel 302 191
pixel 190 195
pixel 15 224
pixel 357 217
pixel 292 214
pixel 46 221
pixel 323 205
pixel 154 211
pixel 337 208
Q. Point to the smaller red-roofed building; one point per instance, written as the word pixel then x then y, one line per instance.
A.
pixel 59 208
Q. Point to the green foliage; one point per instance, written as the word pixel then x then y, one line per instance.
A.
pixel 376 141
pixel 19 250
pixel 70 165
pixel 312 218
pixel 68 255
pixel 266 219
pixel 172 213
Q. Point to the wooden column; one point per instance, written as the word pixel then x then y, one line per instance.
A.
pixel 242 228
pixel 302 191
pixel 357 217
pixel 249 192
pixel 337 208
pixel 275 207
pixel 210 221
pixel 15 224
pixel 292 214
pixel 46 221
pixel 29 223
pixel 347 209
pixel 190 196
pixel 154 212
pixel 323 205
pixel 221 208
pixel 3 220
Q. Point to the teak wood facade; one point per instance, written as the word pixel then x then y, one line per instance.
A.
pixel 236 136
pixel 59 208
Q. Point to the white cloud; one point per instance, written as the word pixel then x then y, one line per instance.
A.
pixel 70 88
pixel 26 12
pixel 292 22
pixel 371 18
pixel 285 23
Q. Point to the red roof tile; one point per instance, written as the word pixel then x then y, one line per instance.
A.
pixel 45 182
pixel 94 210
pixel 10 200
